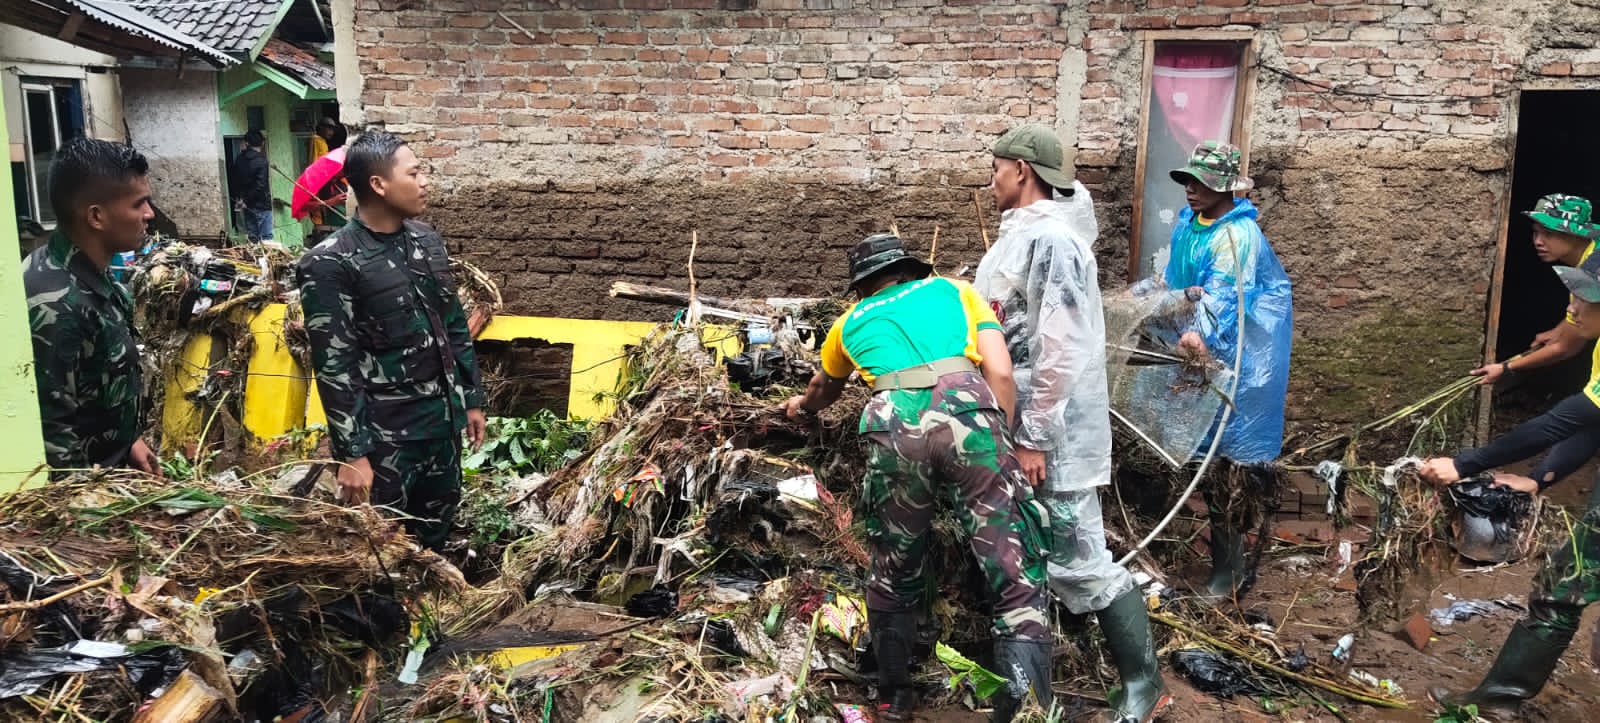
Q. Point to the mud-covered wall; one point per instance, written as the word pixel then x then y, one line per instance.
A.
pixel 576 143
pixel 173 118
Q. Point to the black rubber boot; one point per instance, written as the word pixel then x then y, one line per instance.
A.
pixel 1229 577
pixel 893 634
pixel 1126 624
pixel 1525 662
pixel 1025 664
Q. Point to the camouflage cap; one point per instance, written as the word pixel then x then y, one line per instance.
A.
pixel 1039 146
pixel 879 252
pixel 1581 283
pixel 1216 165
pixel 1567 214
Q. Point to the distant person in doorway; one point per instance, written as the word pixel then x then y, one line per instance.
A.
pixel 252 189
pixel 1564 233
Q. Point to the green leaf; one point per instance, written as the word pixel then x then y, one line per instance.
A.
pixel 984 683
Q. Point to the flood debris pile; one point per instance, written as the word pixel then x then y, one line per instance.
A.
pixel 715 540
pixel 203 599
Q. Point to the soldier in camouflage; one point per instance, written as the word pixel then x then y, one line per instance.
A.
pixel 85 350
pixel 389 345
pixel 1570 579
pixel 937 429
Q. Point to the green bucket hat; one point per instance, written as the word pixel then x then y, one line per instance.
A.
pixel 1216 166
pixel 878 252
pixel 1581 283
pixel 1567 214
pixel 1038 145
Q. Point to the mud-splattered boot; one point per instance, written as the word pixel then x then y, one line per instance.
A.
pixel 893 634
pixel 1525 662
pixel 1126 624
pixel 1025 664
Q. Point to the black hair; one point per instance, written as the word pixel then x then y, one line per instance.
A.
pixel 255 138
pixel 86 171
pixel 370 154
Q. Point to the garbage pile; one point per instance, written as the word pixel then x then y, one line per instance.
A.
pixel 711 544
pixel 200 599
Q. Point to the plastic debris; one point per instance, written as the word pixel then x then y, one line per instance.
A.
pixel 1299 660
pixel 1331 473
pixel 843 617
pixel 628 492
pixel 849 713
pixel 1342 650
pixel 1463 610
pixel 1389 687
pixel 1215 674
pixel 1491 518
pixel 657 602
pixel 984 683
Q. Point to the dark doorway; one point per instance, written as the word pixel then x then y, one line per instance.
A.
pixel 524 376
pixel 1554 137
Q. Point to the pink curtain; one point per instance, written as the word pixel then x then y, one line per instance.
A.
pixel 1194 85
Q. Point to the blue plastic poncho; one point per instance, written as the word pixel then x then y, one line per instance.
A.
pixel 1224 259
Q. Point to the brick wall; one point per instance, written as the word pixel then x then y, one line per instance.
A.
pixel 575 143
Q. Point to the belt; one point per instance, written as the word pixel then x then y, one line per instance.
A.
pixel 922 376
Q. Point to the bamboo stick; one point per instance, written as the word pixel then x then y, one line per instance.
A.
pixel 58 597
pixel 1246 656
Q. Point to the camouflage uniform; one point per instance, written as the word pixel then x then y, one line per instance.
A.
pixel 394 364
pixel 1570 579
pixel 85 357
pixel 948 446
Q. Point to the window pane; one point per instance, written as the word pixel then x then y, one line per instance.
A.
pixel 1193 91
pixel 42 144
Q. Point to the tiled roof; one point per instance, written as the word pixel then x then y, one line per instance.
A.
pixel 130 20
pixel 232 26
pixel 299 63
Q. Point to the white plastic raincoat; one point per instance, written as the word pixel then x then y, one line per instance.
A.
pixel 1042 279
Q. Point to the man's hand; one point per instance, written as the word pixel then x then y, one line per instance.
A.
pixel 355 481
pixel 1032 463
pixel 1517 482
pixel 1489 374
pixel 1192 345
pixel 1439 471
pixel 144 459
pixel 792 409
pixel 476 425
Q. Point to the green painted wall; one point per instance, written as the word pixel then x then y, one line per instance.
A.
pixel 21 440
pixel 281 144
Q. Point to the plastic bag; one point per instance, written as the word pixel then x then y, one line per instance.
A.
pixel 1491 518
pixel 1212 673
pixel 656 602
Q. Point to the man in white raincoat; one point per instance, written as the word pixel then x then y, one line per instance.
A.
pixel 1043 282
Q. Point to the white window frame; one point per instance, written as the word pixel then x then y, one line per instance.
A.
pixel 35 200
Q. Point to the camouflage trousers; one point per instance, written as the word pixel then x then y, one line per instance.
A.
pixel 421 478
pixel 948 447
pixel 1570 579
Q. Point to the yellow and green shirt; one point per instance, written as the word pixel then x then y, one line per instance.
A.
pixel 905 325
pixel 1591 389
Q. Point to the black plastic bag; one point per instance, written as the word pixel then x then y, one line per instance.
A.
pixel 1214 674
pixel 1502 506
pixel 757 369
pixel 656 602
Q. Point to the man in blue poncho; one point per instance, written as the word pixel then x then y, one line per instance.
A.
pixel 1224 266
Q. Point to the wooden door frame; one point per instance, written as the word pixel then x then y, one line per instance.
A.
pixel 1244 99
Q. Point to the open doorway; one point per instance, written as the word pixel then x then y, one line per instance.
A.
pixel 1554 135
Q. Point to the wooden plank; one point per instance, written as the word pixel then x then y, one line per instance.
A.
pixel 69 30
pixel 1134 245
pixel 1244 100
pixel 188 700
pixel 1498 276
